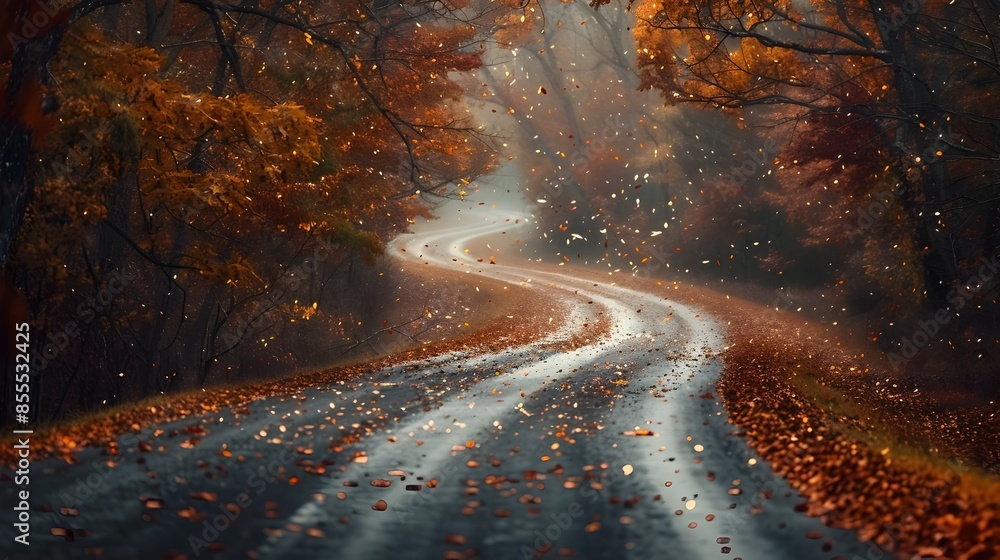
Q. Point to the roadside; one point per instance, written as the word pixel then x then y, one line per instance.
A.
pixel 477 315
pixel 864 452
pixel 935 402
pixel 805 400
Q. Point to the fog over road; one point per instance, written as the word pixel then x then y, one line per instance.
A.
pixel 617 449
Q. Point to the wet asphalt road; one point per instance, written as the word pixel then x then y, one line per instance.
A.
pixel 617 449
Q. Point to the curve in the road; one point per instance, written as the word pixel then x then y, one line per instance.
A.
pixel 617 449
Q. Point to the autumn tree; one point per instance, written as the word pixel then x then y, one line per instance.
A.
pixel 876 100
pixel 193 193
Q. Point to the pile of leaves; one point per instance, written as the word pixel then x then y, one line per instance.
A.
pixel 907 504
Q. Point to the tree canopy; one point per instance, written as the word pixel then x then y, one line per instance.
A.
pixel 881 104
pixel 183 178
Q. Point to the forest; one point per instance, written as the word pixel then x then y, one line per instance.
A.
pixel 193 187
pixel 500 279
pixel 198 192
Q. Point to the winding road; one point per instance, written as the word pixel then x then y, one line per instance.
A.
pixel 619 448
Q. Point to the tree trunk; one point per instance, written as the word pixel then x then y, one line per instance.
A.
pixel 921 106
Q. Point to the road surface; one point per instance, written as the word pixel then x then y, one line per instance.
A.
pixel 617 449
